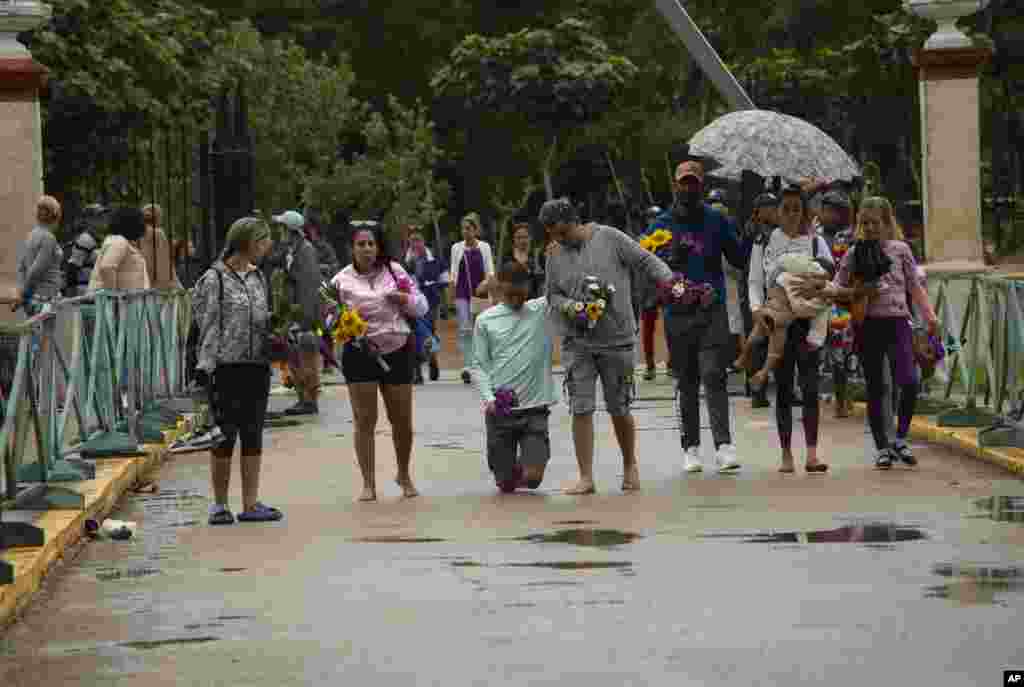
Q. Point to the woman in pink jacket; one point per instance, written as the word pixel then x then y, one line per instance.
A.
pixel 386 297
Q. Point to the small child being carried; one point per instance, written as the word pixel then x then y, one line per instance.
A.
pixel 783 306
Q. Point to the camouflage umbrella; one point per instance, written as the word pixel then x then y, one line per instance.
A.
pixel 771 144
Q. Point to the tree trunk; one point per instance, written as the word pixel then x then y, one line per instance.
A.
pixel 549 188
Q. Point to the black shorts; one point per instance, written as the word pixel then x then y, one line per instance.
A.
pixel 359 367
pixel 240 395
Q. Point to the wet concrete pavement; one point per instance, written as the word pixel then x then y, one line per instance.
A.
pixel 847 578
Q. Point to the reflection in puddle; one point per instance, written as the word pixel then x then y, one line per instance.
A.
pixel 386 539
pixel 583 537
pixel 876 533
pixel 1001 508
pixel 157 644
pixel 570 565
pixel 976 584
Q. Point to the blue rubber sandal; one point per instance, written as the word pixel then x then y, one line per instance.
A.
pixel 260 513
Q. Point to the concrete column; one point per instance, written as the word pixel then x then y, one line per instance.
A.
pixel 21 158
pixel 951 148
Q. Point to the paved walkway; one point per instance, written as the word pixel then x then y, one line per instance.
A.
pixel 753 579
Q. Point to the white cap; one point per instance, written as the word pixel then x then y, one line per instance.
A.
pixel 291 219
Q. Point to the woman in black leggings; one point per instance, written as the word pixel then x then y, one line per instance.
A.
pixel 233 313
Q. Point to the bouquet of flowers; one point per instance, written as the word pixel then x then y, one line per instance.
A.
pixel 682 291
pixel 345 325
pixel 585 314
pixel 658 242
pixel 928 351
pixel 505 400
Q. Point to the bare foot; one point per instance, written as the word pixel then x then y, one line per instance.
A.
pixel 408 490
pixel 367 495
pixel 584 486
pixel 631 479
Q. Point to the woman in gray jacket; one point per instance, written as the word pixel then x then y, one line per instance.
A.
pixel 232 309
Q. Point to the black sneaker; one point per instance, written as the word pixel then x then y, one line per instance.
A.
pixel 417 376
pixel 883 461
pixel 435 371
pixel 303 408
pixel 466 377
pixel 901 451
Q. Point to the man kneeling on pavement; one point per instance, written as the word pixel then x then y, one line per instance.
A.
pixel 512 354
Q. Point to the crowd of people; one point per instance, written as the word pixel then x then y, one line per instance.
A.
pixel 765 293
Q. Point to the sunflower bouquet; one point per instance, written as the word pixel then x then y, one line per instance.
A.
pixel 585 314
pixel 658 242
pixel 345 325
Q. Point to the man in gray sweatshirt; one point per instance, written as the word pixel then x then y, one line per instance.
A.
pixel 39 259
pixel 590 251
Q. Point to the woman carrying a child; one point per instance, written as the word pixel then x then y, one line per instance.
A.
pixel 880 275
pixel 786 318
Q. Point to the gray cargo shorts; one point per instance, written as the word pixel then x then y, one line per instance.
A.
pixel 615 367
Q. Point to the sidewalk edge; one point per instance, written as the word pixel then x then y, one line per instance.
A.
pixel 63 529
pixel 963 439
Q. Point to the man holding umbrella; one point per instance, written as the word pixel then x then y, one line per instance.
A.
pixel 699 335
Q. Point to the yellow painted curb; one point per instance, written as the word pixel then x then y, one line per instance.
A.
pixel 963 439
pixel 64 528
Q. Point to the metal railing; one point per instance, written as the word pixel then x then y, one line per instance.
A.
pixel 86 379
pixel 982 318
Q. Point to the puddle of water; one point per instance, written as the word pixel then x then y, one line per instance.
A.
pixel 386 539
pixel 157 644
pixel 446 445
pixel 583 537
pixel 875 533
pixel 554 583
pixel 108 575
pixel 976 584
pixel 570 565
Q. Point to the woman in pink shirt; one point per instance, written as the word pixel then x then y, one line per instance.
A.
pixel 885 332
pixel 385 296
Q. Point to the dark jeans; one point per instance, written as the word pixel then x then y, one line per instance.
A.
pixel 878 339
pixel 699 347
pixel 805 362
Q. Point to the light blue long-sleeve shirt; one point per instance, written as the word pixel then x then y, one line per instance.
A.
pixel 513 348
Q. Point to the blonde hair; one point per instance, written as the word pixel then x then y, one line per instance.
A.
pixel 47 209
pixel 882 205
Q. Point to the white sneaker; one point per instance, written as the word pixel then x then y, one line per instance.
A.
pixel 725 458
pixel 692 459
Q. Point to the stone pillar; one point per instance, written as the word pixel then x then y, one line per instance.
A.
pixel 951 151
pixel 21 158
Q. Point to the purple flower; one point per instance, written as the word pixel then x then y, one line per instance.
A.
pixel 505 400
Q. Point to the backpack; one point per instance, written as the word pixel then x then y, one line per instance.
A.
pixel 71 272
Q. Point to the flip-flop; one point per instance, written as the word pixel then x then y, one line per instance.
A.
pixel 260 513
